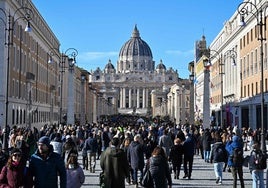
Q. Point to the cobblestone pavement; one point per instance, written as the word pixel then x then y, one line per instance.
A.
pixel 202 176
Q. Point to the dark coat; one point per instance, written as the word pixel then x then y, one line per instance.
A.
pixel 114 164
pixel 46 171
pixel 135 155
pixel 159 169
pixel 206 140
pixel 189 146
pixel 91 145
pixel 176 153
pixel 215 157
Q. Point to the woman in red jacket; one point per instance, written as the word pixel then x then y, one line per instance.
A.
pixel 12 173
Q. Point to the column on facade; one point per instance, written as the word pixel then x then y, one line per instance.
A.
pixel 138 98
pixel 121 98
pixel 146 98
pixel 124 98
pixel 129 98
pixel 143 97
pixel 70 102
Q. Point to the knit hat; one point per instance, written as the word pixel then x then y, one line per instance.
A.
pixel 44 140
pixel 15 150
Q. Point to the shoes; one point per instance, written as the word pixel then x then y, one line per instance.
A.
pixel 189 177
pixel 229 170
pixel 219 183
pixel 217 180
pixel 185 176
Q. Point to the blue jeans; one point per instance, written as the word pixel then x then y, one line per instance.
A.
pixel 206 155
pixel 257 176
pixel 135 175
pixel 218 170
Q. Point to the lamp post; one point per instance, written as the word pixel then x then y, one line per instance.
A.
pixel 82 115
pixel 206 94
pixel 244 10
pixel 25 14
pixel 69 55
pixel 192 103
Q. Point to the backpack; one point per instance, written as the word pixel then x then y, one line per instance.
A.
pixel 237 157
pixel 221 154
pixel 260 160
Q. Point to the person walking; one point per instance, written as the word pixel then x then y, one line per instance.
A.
pixel 45 166
pixel 114 164
pixel 218 156
pixel 136 158
pixel 206 142
pixel 57 144
pixel 75 174
pixel 68 147
pixel 159 168
pixel 234 148
pixel 12 174
pixel 255 166
pixel 175 157
pixel 165 141
pixel 91 145
pixel 188 151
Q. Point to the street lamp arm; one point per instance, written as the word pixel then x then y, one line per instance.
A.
pixel 73 53
pixel 232 54
pixel 243 9
pixel 215 54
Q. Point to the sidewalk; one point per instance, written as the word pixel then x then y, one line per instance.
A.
pixel 202 176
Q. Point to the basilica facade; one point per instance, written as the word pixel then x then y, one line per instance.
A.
pixel 127 89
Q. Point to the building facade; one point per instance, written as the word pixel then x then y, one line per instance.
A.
pixel 235 75
pixel 128 89
pixel 30 91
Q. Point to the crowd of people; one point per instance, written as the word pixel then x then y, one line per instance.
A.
pixel 35 158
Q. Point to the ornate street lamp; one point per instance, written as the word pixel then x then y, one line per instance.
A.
pixel 70 56
pixel 245 9
pixel 9 22
pixel 192 91
pixel 206 94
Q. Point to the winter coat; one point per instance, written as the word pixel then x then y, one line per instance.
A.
pixel 135 155
pixel 46 171
pixel 115 166
pixel 231 145
pixel 12 178
pixel 57 146
pixel 252 157
pixel 91 145
pixel 206 140
pixel 166 143
pixel 216 157
pixel 159 169
pixel 189 146
pixel 176 153
pixel 75 177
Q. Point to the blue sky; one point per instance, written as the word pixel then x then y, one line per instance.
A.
pixel 99 28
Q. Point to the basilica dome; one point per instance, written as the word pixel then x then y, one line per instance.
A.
pixel 135 54
pixel 135 46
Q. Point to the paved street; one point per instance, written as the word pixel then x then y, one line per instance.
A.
pixel 202 176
